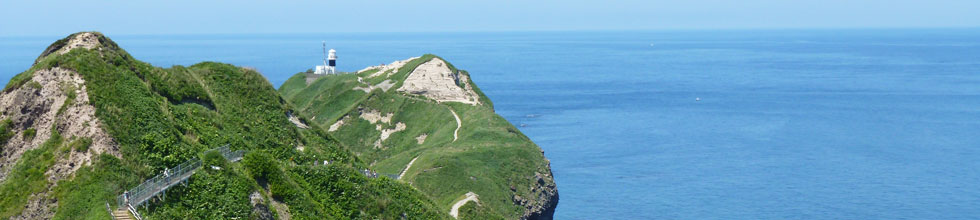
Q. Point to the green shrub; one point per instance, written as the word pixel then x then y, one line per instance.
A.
pixel 29 134
pixel 80 144
pixel 34 85
pixel 214 158
pixel 6 132
pixel 262 167
pixel 283 191
pixel 19 80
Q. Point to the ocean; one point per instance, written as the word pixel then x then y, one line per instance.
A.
pixel 738 124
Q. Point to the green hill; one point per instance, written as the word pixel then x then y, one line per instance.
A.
pixel 88 121
pixel 426 113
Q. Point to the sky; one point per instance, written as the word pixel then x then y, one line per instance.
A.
pixel 59 17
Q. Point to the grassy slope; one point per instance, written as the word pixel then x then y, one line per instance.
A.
pixel 490 157
pixel 162 117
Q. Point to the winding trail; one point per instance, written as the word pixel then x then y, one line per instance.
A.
pixel 407 166
pixel 470 196
pixel 459 124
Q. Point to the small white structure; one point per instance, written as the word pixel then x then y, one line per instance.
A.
pixel 329 62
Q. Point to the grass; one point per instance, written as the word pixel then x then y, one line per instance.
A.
pixel 490 157
pixel 80 144
pixel 161 117
pixel 27 176
pixel 6 131
pixel 29 134
pixel 84 196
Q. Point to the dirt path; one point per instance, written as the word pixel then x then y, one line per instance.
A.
pixel 470 196
pixel 459 124
pixel 407 167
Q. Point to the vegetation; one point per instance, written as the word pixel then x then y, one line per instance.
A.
pixel 70 94
pixel 473 211
pixel 6 132
pixel 27 177
pixel 80 144
pixel 162 117
pixel 29 134
pixel 491 157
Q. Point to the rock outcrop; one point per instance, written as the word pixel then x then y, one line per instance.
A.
pixel 542 207
pixel 434 79
pixel 54 100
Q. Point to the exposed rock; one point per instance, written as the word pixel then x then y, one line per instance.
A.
pixel 543 205
pixel 336 125
pixel 434 79
pixel 385 133
pixel 39 206
pixel 421 138
pixel 85 40
pixel 374 116
pixel 259 209
pixel 386 69
pixel 295 120
pixel 43 104
pixel 37 108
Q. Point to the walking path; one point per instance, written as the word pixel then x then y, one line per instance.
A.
pixel 459 124
pixel 470 196
pixel 406 167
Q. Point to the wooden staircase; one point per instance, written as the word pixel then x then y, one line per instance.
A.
pixel 121 214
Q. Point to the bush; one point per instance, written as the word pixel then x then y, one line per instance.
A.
pixel 214 158
pixel 262 167
pixel 5 131
pixel 34 85
pixel 283 191
pixel 81 144
pixel 30 133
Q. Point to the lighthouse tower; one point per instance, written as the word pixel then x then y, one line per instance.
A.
pixel 332 62
pixel 329 62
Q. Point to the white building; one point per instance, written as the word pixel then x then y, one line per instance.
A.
pixel 329 62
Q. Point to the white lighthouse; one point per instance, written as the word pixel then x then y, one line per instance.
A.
pixel 329 62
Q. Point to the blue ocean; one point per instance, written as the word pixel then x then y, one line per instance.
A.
pixel 740 124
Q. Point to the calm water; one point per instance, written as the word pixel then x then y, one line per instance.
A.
pixel 833 124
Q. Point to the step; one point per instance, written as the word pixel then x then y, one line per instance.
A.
pixel 121 214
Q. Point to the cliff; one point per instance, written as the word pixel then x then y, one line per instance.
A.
pixel 428 123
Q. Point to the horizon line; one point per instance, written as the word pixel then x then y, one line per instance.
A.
pixel 519 31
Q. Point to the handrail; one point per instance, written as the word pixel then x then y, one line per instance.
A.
pixel 171 176
pixel 107 208
pixel 133 210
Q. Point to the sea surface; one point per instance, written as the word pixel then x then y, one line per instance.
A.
pixel 750 124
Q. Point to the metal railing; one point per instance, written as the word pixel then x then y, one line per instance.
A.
pixel 133 210
pixel 158 184
pixel 372 174
pixel 107 208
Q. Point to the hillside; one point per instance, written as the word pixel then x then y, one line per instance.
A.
pixel 426 121
pixel 88 121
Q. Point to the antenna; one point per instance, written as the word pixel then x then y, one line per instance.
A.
pixel 324 53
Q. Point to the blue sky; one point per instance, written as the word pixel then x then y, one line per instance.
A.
pixel 57 17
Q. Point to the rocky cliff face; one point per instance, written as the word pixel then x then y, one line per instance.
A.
pixel 543 205
pixel 54 100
